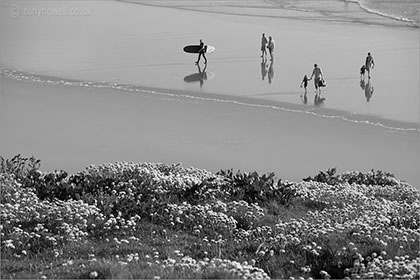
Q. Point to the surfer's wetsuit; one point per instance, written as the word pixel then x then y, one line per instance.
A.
pixel 202 52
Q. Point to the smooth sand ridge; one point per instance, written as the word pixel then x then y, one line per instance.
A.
pixel 129 51
pixel 50 122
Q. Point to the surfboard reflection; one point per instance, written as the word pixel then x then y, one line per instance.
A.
pixel 200 76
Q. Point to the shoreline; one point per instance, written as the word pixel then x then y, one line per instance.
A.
pixel 238 71
pixel 73 127
pixel 383 18
pixel 235 120
pixel 362 119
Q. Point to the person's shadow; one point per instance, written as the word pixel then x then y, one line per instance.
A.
pixel 201 76
pixel 368 90
pixel 263 68
pixel 271 72
pixel 318 101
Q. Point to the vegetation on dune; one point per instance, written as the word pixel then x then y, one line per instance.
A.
pixel 146 220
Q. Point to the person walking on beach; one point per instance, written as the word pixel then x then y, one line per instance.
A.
pixel 271 46
pixel 202 52
pixel 304 83
pixel 369 63
pixel 263 46
pixel 317 72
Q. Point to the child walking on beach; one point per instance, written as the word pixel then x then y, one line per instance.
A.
pixel 304 83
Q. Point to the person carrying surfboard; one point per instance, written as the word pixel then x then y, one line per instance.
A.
pixel 202 52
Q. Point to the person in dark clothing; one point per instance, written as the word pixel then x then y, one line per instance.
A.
pixel 304 83
pixel 202 52
pixel 369 64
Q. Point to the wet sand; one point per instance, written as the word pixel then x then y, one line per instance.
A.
pixel 142 49
pixel 51 123
pixel 71 127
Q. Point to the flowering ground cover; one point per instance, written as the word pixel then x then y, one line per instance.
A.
pixel 147 220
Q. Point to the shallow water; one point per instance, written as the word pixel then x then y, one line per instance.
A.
pixel 402 10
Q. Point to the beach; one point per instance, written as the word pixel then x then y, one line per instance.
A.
pixel 81 90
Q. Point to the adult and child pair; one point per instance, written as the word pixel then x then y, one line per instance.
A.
pixel 367 67
pixel 318 80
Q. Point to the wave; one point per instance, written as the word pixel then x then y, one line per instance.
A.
pixel 274 8
pixel 54 81
pixel 370 10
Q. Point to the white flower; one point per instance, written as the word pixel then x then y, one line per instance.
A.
pixel 93 274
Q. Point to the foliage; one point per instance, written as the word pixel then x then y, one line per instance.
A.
pixel 253 188
pixel 19 166
pixel 373 178
pixel 145 220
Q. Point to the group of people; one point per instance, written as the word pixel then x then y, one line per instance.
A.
pixel 367 67
pixel 320 82
pixel 317 74
pixel 267 44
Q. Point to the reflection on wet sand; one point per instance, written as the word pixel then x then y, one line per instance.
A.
pixel 304 98
pixel 366 87
pixel 369 90
pixel 319 101
pixel 200 76
pixel 271 72
pixel 267 70
pixel 263 68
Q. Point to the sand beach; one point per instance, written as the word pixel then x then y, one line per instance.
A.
pixel 111 85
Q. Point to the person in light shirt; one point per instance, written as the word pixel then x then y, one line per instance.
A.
pixel 271 46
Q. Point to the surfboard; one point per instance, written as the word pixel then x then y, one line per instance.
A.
pixel 196 49
pixel 210 49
